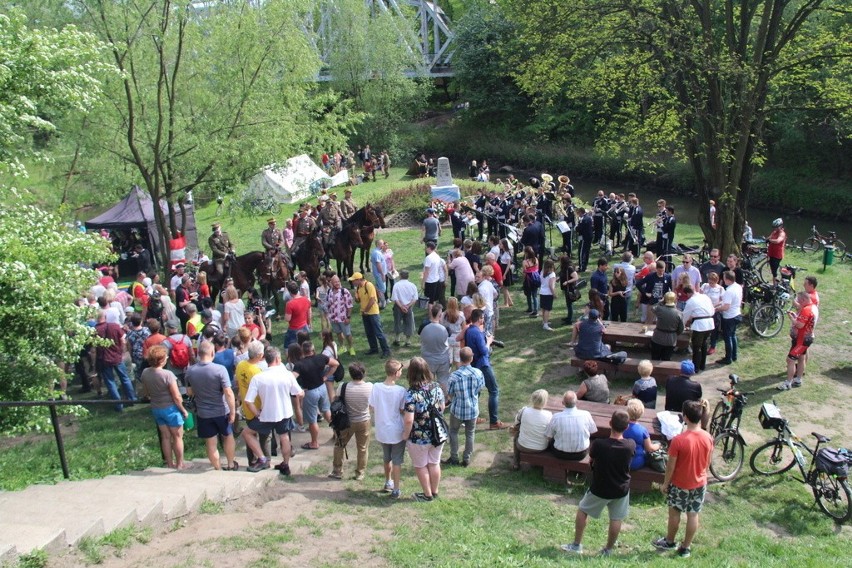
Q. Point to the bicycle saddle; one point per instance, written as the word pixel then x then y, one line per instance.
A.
pixel 820 438
pixel 735 379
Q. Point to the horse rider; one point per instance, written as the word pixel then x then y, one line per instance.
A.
pixel 331 220
pixel 305 225
pixel 220 246
pixel 347 206
pixel 273 243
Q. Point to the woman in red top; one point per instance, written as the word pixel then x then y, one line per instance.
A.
pixel 777 240
pixel 802 335
pixel 203 287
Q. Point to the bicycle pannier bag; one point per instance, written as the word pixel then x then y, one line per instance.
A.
pixel 832 461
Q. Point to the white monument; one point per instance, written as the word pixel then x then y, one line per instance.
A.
pixel 444 188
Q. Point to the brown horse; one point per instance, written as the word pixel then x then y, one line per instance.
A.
pixel 308 257
pixel 369 218
pixel 343 248
pixel 273 276
pixel 241 268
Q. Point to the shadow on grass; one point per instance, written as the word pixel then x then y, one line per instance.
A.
pixel 842 374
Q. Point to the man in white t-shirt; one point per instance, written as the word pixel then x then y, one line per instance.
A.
pixel 433 269
pixel 730 307
pixel 275 388
pixel 387 400
pixel 404 296
pixel 698 314
pixel 570 430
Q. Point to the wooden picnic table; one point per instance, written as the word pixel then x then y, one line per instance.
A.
pixel 630 332
pixel 602 413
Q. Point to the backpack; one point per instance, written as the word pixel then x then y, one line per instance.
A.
pixel 339 414
pixel 179 354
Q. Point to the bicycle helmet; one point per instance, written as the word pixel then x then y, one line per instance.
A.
pixel 777 222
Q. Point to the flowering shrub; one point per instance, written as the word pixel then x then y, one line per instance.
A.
pixel 416 198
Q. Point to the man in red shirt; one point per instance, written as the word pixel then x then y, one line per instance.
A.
pixel 686 479
pixel 775 251
pixel 110 359
pixel 297 314
pixel 802 335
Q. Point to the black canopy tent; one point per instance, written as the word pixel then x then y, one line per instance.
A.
pixel 136 211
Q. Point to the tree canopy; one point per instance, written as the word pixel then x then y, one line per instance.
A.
pixel 698 80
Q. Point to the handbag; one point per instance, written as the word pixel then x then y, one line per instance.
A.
pixel 657 460
pixel 394 274
pixel 437 425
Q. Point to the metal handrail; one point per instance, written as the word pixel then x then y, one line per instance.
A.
pixel 54 418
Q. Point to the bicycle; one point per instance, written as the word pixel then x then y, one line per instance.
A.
pixel 818 241
pixel 826 474
pixel 728 445
pixel 768 303
pixel 756 260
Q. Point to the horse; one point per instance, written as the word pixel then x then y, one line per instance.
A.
pixel 241 268
pixel 369 218
pixel 308 257
pixel 344 245
pixel 273 276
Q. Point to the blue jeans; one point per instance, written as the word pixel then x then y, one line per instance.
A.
pixel 375 334
pixel 112 388
pixel 532 300
pixel 493 393
pixel 290 336
pixel 729 336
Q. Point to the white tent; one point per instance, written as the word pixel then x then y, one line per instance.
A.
pixel 293 181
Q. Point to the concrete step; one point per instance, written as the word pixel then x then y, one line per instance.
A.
pixel 27 537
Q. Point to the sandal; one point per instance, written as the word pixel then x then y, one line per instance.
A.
pixel 307 446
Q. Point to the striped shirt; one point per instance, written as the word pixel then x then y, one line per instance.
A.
pixel 571 429
pixel 466 382
pixel 357 400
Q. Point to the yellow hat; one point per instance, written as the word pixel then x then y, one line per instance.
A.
pixel 356 276
pixel 271 220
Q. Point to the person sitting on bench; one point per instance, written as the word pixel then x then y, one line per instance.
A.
pixel 570 430
pixel 589 334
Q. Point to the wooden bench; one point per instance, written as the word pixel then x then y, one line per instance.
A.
pixel 555 469
pixel 662 369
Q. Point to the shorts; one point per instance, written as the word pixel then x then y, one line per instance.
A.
pixel 394 453
pixel 455 352
pixel 432 290
pixel 424 454
pixel 686 500
pixel 545 301
pixel 316 400
pixel 797 351
pixel 170 416
pixel 342 328
pixel 442 373
pixel 212 427
pixel 264 428
pixel 593 506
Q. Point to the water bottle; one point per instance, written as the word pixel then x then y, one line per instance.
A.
pixel 800 459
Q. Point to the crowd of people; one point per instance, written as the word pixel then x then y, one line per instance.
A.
pixel 177 341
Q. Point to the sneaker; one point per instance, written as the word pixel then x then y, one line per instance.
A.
pixel 572 548
pixel 372 352
pixel 662 544
pixel 711 351
pixel 302 428
pixel 352 351
pixel 260 465
pixel 359 477
pixel 547 328
pixel 335 475
pixel 394 494
pixel 421 497
pixel 796 383
pixel 684 552
pixel 388 487
pixel 285 470
pixel 497 343
pixel 465 463
pixel 785 386
pixel 605 552
pixel 533 315
pixel 450 461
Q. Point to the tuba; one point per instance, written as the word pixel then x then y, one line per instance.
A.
pixel 563 182
pixel 546 179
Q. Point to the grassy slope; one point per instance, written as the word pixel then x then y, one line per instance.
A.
pixel 493 516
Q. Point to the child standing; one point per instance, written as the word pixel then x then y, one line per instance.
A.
pixel 321 295
pixel 548 286
pixel 386 403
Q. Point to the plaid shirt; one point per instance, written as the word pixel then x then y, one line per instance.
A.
pixel 466 382
pixel 339 304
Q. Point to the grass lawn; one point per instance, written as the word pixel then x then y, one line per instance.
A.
pixel 489 515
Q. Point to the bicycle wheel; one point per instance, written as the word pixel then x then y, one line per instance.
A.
pixel 716 420
pixel 764 271
pixel 833 496
pixel 767 321
pixel 813 244
pixel 772 458
pixel 840 250
pixel 727 457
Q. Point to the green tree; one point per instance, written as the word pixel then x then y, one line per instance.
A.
pixel 208 94
pixel 371 62
pixel 698 80
pixel 44 74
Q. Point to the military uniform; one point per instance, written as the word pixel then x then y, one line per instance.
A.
pixel 348 207
pixel 220 245
pixel 304 227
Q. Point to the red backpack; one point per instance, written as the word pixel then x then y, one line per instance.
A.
pixel 179 353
